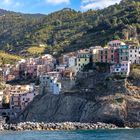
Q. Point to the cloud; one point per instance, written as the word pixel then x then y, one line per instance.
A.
pixel 7 2
pixel 97 4
pixel 12 5
pixel 57 2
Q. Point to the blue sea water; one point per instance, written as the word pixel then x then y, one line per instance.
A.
pixel 129 134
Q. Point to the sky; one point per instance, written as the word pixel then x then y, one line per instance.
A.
pixel 49 6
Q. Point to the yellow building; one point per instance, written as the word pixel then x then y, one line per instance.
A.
pixel 83 58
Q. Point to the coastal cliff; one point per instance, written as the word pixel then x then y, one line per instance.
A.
pixel 93 99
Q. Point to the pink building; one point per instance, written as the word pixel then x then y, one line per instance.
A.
pixel 43 69
pixel 21 96
pixel 26 98
pixel 110 54
pixel 113 55
pixel 103 55
pixel 115 43
pixel 32 70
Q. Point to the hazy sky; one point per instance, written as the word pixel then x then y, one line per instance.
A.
pixel 48 6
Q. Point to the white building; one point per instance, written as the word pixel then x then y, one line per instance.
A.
pixel 116 43
pixel 44 80
pixel 72 61
pixel 51 84
pixel 60 68
pixel 122 69
pixel 134 54
pixel 1 97
pixel 55 86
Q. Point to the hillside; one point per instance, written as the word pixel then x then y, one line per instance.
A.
pixel 69 30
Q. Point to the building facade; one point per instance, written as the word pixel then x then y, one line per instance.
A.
pixel 122 69
pixel 83 58
pixel 123 53
pixel 50 84
pixel 134 54
pixel 95 53
pixel 116 43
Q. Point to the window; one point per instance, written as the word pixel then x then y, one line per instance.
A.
pixel 85 59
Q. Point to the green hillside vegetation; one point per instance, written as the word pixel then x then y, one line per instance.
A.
pixel 35 50
pixel 6 58
pixel 135 71
pixel 69 30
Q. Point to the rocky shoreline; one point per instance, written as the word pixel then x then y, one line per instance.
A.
pixel 56 126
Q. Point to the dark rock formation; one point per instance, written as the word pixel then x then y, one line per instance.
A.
pixel 112 103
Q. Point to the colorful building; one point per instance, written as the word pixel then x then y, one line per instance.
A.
pixel 95 53
pixel 72 61
pixel 122 69
pixel 17 95
pixel 134 54
pixel 83 58
pixel 50 84
pixel 103 55
pixel 115 43
pixel 26 98
pixel 1 97
pixel 123 53
pixel 113 55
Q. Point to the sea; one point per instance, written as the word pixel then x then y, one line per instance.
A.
pixel 119 134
